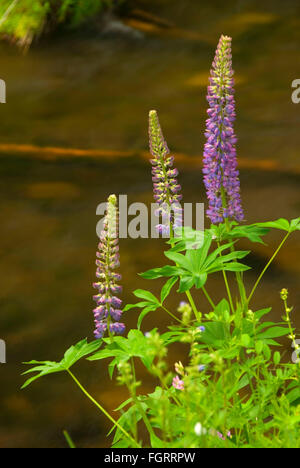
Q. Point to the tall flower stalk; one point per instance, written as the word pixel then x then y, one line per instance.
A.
pixel 108 311
pixel 165 187
pixel 221 176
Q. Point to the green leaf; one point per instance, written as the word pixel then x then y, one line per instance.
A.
pixel 143 294
pixel 156 442
pixel 200 280
pixel 215 334
pixel 294 395
pixel 166 289
pixel 179 259
pixel 203 251
pixel 276 357
pixel 260 313
pixel 122 349
pixel 273 332
pixel 186 283
pixel 72 355
pixel 138 305
pixel 232 266
pixel 165 271
pixel 259 346
pixel 267 351
pixel 295 224
pixel 251 232
pixel 280 223
pixel 245 340
pixel 145 311
pixel 80 350
pixel 215 254
pixel 222 308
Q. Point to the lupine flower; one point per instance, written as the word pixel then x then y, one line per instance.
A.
pixel 178 383
pixel 108 311
pixel 165 187
pixel 221 177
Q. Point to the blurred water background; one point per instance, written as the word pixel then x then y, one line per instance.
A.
pixel 93 90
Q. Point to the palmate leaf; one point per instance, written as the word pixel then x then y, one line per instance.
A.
pixel 252 232
pixel 122 349
pixel 193 268
pixel 151 303
pixel 282 224
pixel 71 356
pixel 187 238
pixel 165 271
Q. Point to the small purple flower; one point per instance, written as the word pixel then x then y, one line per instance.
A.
pixel 201 328
pixel 117 327
pixel 178 383
pixel 201 367
pixel 221 176
pixel 108 305
pixel 165 187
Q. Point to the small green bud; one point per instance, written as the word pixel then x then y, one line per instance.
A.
pixel 284 294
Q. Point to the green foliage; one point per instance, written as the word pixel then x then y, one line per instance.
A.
pixel 234 389
pixel 71 356
pixel 193 268
pixel 23 20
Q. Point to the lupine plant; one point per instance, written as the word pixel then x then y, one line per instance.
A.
pixel 234 386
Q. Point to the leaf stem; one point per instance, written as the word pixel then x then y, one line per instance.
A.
pixel 208 297
pixel 138 404
pixel 170 313
pixel 267 266
pixel 193 305
pixel 102 409
pixel 69 439
pixel 227 286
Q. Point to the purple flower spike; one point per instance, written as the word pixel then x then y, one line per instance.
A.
pixel 165 187
pixel 108 304
pixel 221 176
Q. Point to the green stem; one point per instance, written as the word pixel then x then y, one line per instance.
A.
pixel 102 409
pixel 170 313
pixel 69 440
pixel 190 298
pixel 227 286
pixel 208 297
pixel 193 305
pixel 267 266
pixel 139 406
pixel 238 275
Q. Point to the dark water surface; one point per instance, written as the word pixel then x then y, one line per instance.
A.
pixel 94 92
